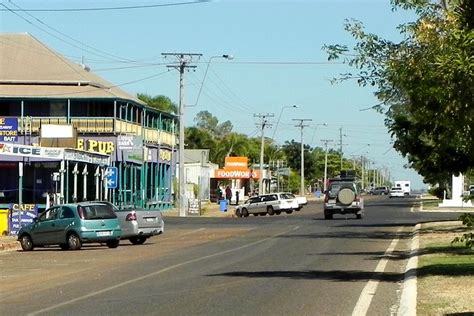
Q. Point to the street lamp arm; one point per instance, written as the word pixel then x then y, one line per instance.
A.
pixel 229 57
pixel 279 117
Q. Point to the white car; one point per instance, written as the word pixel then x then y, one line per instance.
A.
pixel 396 192
pixel 302 200
pixel 272 203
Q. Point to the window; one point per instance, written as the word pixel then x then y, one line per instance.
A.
pixel 66 212
pixel 99 211
pixel 255 199
pixel 49 214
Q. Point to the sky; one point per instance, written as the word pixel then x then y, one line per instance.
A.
pixel 277 62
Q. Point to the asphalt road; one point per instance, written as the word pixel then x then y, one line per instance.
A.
pixel 297 264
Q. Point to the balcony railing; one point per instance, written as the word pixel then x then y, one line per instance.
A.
pixel 99 126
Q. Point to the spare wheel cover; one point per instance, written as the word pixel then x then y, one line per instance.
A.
pixel 346 196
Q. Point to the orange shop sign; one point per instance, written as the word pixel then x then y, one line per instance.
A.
pixel 236 163
pixel 228 173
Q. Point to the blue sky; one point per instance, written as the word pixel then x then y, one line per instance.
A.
pixel 278 61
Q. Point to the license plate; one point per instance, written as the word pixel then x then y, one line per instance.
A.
pixel 104 233
pixel 150 219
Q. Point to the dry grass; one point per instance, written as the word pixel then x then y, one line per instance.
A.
pixel 446 272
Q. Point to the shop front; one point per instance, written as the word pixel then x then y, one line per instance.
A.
pixel 236 175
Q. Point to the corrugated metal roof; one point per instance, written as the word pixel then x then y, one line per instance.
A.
pixel 28 68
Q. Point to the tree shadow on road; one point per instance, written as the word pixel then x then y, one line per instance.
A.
pixel 331 275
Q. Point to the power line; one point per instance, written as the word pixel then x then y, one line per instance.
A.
pixel 101 53
pixel 145 6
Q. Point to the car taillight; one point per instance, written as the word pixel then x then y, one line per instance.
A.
pixel 131 217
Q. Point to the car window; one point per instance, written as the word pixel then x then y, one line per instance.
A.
pixel 49 214
pixel 255 199
pixel 287 196
pixel 99 211
pixel 269 198
pixel 66 212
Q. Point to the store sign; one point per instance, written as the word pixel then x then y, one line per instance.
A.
pixel 236 163
pixel 235 174
pixel 165 155
pixel 31 151
pixel 74 155
pixel 21 215
pixel 8 129
pixel 132 148
pixel 95 145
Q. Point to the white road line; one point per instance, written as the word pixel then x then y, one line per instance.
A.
pixel 143 277
pixel 370 288
pixel 409 290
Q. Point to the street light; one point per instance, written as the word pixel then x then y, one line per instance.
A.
pixel 226 56
pixel 279 117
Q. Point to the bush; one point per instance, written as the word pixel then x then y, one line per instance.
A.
pixel 437 191
pixel 467 238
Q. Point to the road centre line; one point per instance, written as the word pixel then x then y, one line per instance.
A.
pixel 370 288
pixel 143 277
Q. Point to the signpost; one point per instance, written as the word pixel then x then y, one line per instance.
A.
pixel 112 177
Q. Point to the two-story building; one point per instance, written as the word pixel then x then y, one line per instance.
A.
pixel 69 135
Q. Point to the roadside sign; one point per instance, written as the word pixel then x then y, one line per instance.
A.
pixel 8 129
pixel 111 177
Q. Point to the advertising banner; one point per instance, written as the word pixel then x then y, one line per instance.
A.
pixel 21 216
pixel 31 151
pixel 8 129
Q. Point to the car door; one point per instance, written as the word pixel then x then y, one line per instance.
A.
pixel 43 230
pixel 254 204
pixel 65 219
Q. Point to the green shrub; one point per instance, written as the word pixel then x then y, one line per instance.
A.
pixel 467 238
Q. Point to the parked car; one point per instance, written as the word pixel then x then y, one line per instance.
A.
pixel 396 192
pixel 139 224
pixel 343 197
pixel 273 203
pixel 302 200
pixel 71 225
pixel 381 191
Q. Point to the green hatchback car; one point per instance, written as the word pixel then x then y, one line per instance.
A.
pixel 71 225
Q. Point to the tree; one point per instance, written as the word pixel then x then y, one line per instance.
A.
pixel 206 120
pixel 160 102
pixel 425 84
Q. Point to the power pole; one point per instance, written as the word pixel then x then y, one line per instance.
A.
pixel 340 144
pixel 263 123
pixel 302 126
pixel 326 141
pixel 184 60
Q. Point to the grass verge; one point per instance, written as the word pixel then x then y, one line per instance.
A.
pixel 445 271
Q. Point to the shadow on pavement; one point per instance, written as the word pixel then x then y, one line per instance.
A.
pixel 334 275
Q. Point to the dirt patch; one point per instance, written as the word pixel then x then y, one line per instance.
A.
pixel 449 290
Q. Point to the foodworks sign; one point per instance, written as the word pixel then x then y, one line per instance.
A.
pixel 235 174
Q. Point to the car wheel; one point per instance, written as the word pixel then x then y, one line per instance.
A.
pixel 245 213
pixel 136 240
pixel 64 246
pixel 114 243
pixel 26 243
pixel 237 213
pixel 270 210
pixel 289 211
pixel 73 242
